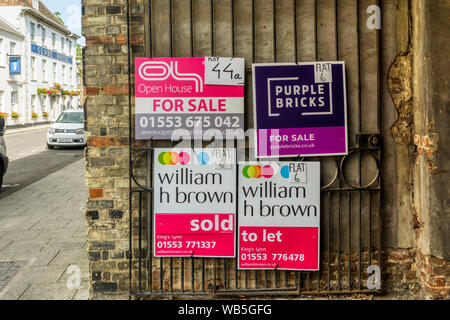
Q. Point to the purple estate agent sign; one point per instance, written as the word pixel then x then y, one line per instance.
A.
pixel 300 109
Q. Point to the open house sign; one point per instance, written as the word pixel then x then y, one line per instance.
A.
pixel 177 96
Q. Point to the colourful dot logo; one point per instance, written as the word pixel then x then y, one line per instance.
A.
pixel 203 158
pixel 256 172
pixel 173 158
pixel 284 171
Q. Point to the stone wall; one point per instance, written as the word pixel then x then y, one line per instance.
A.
pixel 107 152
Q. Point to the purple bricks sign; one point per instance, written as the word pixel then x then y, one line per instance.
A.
pixel 300 109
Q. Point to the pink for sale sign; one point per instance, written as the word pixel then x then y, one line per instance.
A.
pixel 174 96
pixel 279 215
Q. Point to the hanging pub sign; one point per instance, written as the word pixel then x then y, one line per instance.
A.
pixel 15 65
pixel 175 96
pixel 194 203
pixel 300 109
pixel 279 215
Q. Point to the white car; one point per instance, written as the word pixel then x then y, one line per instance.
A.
pixel 67 131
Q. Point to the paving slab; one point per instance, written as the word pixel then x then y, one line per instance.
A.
pixel 25 245
pixel 82 293
pixel 54 291
pixel 46 256
pixel 14 292
pixel 67 257
pixel 18 236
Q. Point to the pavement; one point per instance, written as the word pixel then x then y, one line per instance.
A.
pixel 26 129
pixel 43 239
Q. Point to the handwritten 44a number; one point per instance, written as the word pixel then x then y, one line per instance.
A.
pixel 226 70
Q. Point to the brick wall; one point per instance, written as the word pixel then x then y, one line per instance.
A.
pixel 400 272
pixel 434 275
pixel 106 69
pixel 410 271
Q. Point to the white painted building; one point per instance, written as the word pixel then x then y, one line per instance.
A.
pixel 12 87
pixel 47 51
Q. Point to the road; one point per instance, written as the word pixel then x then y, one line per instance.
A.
pixel 24 144
pixel 30 160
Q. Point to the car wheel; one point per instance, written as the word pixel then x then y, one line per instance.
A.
pixel 50 147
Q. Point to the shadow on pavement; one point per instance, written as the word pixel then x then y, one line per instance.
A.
pixel 25 171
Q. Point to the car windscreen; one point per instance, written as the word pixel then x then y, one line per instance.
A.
pixel 70 117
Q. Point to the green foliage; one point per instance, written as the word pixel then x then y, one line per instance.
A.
pixel 58 15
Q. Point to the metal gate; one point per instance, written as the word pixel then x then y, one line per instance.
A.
pixel 271 31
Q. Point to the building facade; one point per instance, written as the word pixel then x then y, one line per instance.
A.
pixel 49 75
pixel 12 84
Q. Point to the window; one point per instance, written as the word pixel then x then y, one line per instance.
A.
pixel 70 76
pixel 2 107
pixel 33 68
pixel 33 103
pixel 14 101
pixel 71 117
pixel 36 4
pixel 54 72
pixel 2 58
pixel 70 47
pixel 41 102
pixel 12 48
pixel 44 100
pixel 54 40
pixel 44 71
pixel 43 36
pixel 63 75
pixel 32 27
pixel 62 44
